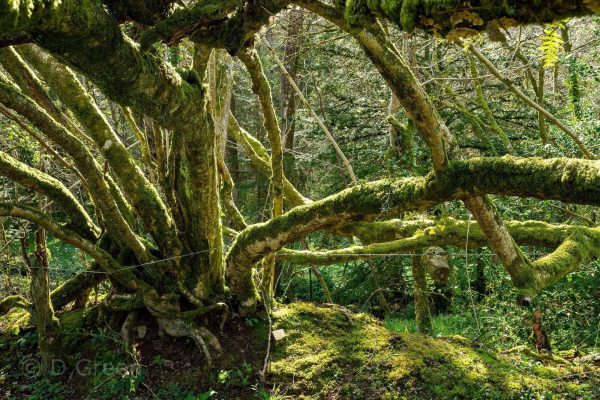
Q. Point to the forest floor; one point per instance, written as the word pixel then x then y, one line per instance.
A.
pixel 328 353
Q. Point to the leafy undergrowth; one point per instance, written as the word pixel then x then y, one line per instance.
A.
pixel 328 353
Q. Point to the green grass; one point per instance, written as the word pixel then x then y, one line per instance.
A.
pixel 443 325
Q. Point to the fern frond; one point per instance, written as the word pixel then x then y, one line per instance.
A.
pixel 551 44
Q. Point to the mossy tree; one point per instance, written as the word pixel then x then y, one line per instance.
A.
pixel 155 225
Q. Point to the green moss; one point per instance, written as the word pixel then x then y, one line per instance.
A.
pixel 77 318
pixel 329 351
pixel 14 321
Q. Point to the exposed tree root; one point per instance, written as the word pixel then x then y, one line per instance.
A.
pixel 200 335
pixel 127 327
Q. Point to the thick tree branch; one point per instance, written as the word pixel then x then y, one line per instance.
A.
pixel 574 245
pixel 45 184
pixel 185 21
pixel 455 17
pixel 398 236
pixel 575 181
pixel 124 276
pixel 73 288
pixel 99 188
pixel 140 192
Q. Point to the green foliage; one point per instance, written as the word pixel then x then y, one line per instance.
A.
pixel 551 44
pixel 43 389
pixel 174 392
pixel 238 377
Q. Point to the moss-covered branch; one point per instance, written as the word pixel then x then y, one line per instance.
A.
pixel 574 245
pixel 575 250
pixel 260 159
pixel 418 234
pixel 262 89
pixel 569 180
pixel 455 17
pixel 240 27
pixel 125 276
pixel 520 94
pixel 73 288
pixel 413 236
pixel 11 302
pixel 422 311
pixel 185 21
pixel 145 12
pixel 96 184
pixel 43 183
pixel 397 73
pixel 25 78
pixel 85 35
pixel 139 191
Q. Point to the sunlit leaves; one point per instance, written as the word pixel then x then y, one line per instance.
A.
pixel 551 44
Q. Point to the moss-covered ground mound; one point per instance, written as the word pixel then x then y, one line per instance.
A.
pixel 328 353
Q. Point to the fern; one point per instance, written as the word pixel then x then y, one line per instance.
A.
pixel 551 44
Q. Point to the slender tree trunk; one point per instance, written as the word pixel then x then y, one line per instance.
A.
pixel 492 68
pixel 480 283
pixel 343 159
pixel 46 323
pixel 383 304
pixel 291 59
pixel 422 312
pixel 485 106
pixel 540 99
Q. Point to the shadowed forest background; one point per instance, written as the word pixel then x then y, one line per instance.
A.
pixel 299 200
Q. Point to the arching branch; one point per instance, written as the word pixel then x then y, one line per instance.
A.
pixel 140 193
pixel 260 159
pixel 575 181
pixel 96 184
pixel 125 276
pixel 45 184
pixel 421 234
pixel 573 245
pixel 393 68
